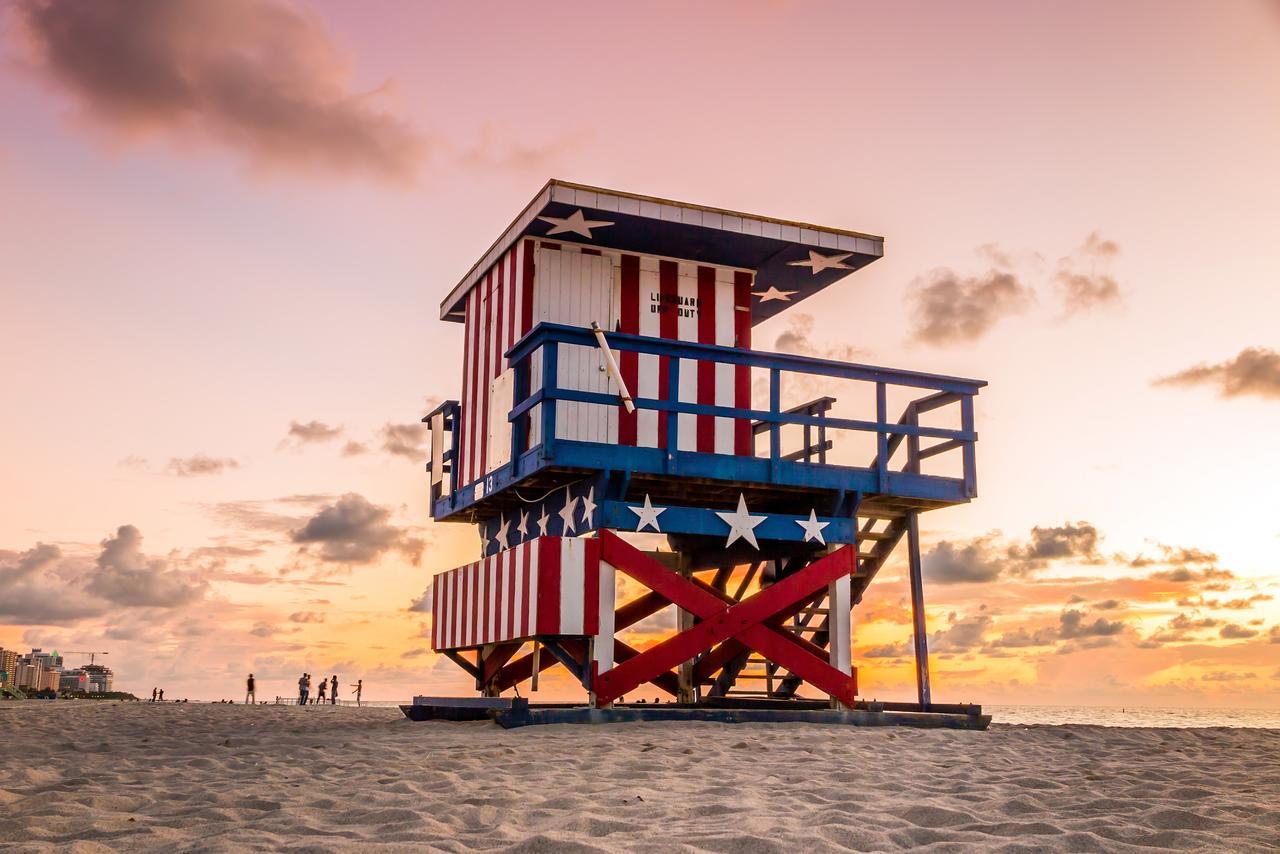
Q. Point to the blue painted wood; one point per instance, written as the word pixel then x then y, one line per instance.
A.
pixel 618 516
pixel 545 332
pixel 773 469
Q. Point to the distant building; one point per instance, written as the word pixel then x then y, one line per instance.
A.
pixel 99 677
pixel 8 666
pixel 74 680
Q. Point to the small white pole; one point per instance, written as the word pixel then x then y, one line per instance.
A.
pixel 612 366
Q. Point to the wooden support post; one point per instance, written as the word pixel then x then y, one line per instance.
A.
pixel 840 626
pixel 882 439
pixel 684 622
pixel 601 656
pixel 537 665
pixel 919 629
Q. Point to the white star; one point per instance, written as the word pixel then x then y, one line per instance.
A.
pixel 741 523
pixel 648 515
pixel 574 223
pixel 523 527
pixel 504 534
pixel 566 512
pixel 589 507
pixel 542 520
pixel 818 262
pixel 772 293
pixel 812 528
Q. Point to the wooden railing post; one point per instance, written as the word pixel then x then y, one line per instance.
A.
pixel 519 427
pixel 882 438
pixel 775 429
pixel 673 417
pixel 550 362
pixel 969 452
pixel 913 441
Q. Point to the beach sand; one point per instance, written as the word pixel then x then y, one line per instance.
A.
pixel 95 776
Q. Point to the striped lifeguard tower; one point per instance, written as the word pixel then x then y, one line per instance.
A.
pixel 628 456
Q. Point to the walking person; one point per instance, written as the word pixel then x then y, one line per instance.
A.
pixel 359 686
pixel 302 690
pixel 162 695
pixel 153 694
pixel 306 688
pixel 333 690
pixel 324 686
pixel 250 696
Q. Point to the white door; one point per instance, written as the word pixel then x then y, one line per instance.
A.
pixel 574 288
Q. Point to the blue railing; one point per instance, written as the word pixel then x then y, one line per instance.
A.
pixel 941 391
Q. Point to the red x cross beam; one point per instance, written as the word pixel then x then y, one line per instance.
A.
pixel 744 621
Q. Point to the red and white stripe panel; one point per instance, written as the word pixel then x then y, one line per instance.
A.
pixel 684 301
pixel 657 297
pixel 499 311
pixel 546 586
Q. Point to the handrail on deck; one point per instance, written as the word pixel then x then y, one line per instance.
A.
pixel 947 390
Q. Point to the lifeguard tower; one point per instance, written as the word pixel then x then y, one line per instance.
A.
pixel 609 389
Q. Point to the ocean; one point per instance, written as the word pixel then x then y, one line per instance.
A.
pixel 1133 716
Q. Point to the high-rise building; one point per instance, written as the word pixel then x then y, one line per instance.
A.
pixel 99 678
pixel 8 666
pixel 74 680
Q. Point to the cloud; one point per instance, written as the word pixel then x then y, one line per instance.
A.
pixel 352 530
pixel 498 149
pixel 797 338
pixel 265 515
pixel 127 577
pixel 1254 371
pixel 199 465
pixel 306 617
pixel 962 635
pixel 1234 631
pixel 313 432
pixel 976 561
pixel 986 558
pixel 405 440
pixel 1073 624
pixel 948 308
pixel 263 630
pixel 257 77
pixel 1083 291
pixel 354 449
pixel 44 586
pixel 1227 676
pixel 422 604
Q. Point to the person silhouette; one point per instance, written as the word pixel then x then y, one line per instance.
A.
pixel 333 690
pixel 162 695
pixel 250 696
pixel 324 687
pixel 359 686
pixel 153 694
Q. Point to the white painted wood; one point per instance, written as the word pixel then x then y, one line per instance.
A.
pixel 573 562
pixel 840 623
pixel 687 330
pixel 437 448
pixel 501 397
pixel 575 289
pixel 603 646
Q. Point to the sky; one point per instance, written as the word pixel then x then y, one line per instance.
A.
pixel 226 227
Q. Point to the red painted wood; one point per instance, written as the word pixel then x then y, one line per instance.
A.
pixel 668 319
pixel 591 585
pixel 742 441
pixel 706 424
pixel 548 585
pixel 629 360
pixel 719 622
pixel 526 321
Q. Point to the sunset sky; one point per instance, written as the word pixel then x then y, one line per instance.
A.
pixel 226 227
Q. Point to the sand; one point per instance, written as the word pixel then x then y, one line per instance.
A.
pixel 99 776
